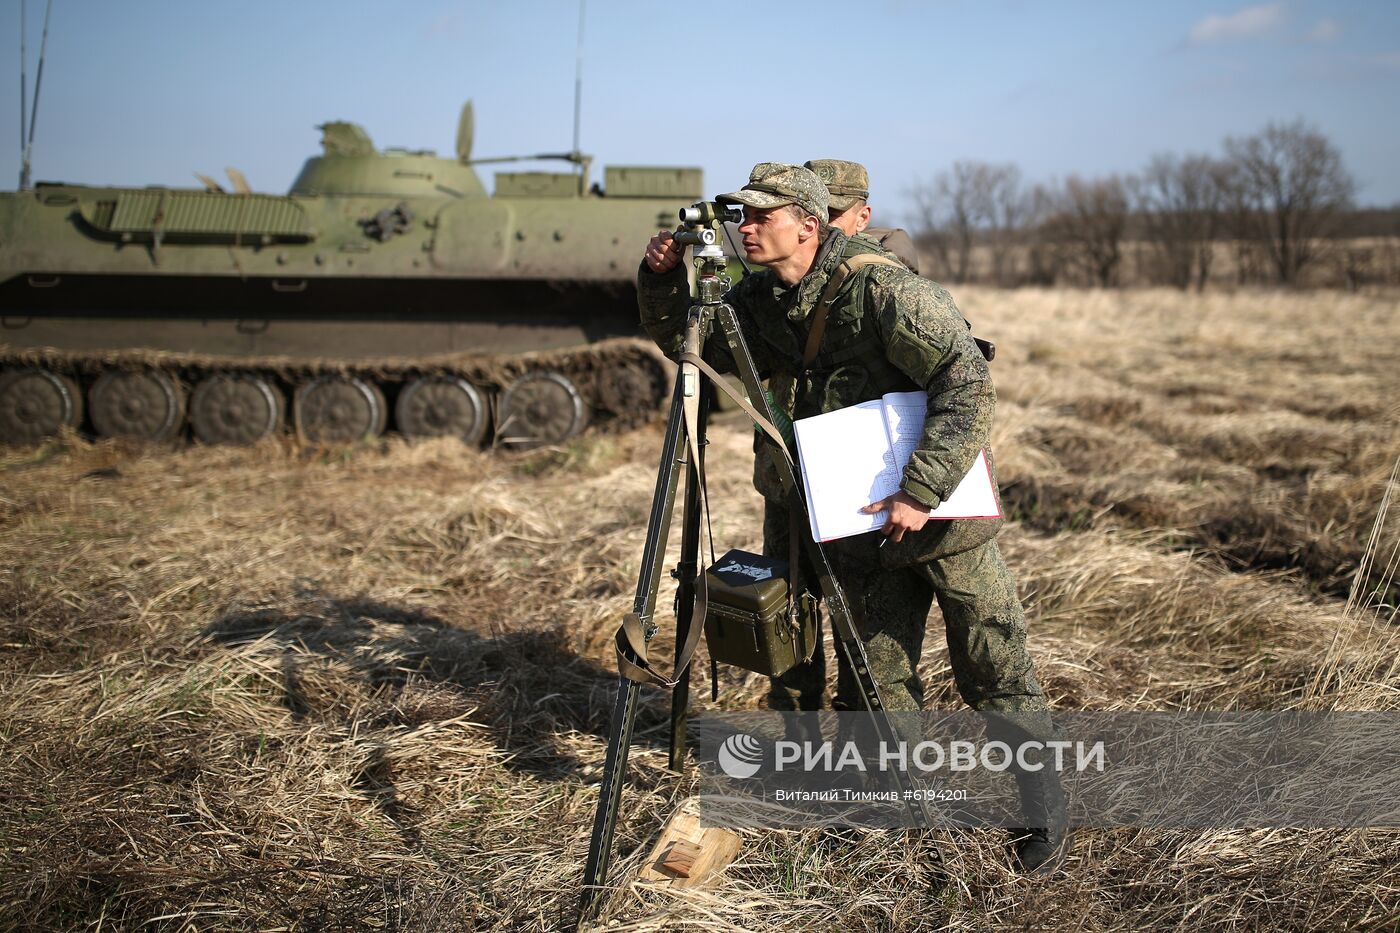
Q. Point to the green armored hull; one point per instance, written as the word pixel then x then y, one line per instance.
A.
pixel 387 290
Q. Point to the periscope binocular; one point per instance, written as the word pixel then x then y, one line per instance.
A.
pixel 701 222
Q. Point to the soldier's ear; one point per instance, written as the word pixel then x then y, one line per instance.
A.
pixel 811 226
pixel 863 218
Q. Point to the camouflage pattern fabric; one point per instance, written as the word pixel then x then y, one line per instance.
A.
pixel 887 331
pixel 773 184
pixel 835 369
pixel 783 389
pixel 984 624
pixel 848 182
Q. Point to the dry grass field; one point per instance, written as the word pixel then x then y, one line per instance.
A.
pixel 281 688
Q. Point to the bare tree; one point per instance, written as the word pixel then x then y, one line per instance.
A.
pixel 1004 207
pixel 1087 222
pixel 1045 260
pixel 930 229
pixel 1239 225
pixel 955 211
pixel 1179 202
pixel 1288 186
pixel 968 205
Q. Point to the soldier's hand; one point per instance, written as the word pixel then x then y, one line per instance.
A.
pixel 663 252
pixel 906 514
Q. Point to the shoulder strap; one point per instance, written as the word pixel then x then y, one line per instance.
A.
pixel 848 267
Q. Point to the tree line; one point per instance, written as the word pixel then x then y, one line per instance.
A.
pixel 1274 208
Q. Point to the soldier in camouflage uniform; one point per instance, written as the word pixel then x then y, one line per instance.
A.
pixel 887 331
pixel 848 188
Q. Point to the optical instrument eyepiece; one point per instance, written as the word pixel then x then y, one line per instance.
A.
pixel 707 212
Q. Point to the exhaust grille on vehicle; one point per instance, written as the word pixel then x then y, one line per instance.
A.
pixel 197 216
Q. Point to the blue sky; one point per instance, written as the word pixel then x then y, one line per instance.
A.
pixel 150 91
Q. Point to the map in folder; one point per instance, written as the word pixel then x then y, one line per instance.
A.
pixel 854 456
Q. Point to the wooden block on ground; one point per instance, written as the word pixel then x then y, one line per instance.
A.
pixel 680 859
pixel 687 854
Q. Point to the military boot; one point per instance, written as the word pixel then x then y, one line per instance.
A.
pixel 1040 847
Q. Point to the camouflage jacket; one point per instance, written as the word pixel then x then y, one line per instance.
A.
pixel 887 330
pixel 783 386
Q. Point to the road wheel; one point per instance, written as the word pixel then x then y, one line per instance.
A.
pixel 235 408
pixel 146 404
pixel 441 406
pixel 36 403
pixel 339 409
pixel 539 409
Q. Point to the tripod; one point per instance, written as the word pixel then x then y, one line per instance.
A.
pixel 683 449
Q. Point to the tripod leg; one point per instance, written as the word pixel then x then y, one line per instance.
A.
pixel 595 871
pixel 848 641
pixel 680 704
pixel 663 502
pixel 686 573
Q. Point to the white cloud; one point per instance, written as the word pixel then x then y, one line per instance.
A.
pixel 1250 23
pixel 1325 31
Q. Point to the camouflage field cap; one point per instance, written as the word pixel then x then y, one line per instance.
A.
pixel 848 182
pixel 773 184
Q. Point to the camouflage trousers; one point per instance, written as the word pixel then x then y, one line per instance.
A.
pixel 982 616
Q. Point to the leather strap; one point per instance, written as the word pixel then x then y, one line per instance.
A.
pixel 722 384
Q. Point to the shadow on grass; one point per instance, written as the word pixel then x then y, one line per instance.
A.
pixel 527 687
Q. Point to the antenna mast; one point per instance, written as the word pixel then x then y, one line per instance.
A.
pixel 578 71
pixel 23 94
pixel 27 143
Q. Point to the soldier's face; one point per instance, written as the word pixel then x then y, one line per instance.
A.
pixel 770 234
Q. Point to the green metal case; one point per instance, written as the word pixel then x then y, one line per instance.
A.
pixel 747 621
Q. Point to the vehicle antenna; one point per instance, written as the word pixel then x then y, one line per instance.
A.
pixel 23 92
pixel 34 109
pixel 578 72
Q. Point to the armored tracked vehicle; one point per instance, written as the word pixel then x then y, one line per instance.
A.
pixel 387 290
